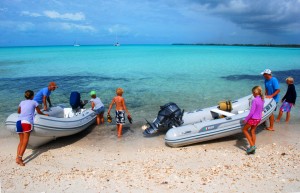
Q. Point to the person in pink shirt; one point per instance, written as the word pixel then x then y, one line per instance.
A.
pixel 253 118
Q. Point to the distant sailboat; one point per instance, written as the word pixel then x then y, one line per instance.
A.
pixel 76 44
pixel 116 41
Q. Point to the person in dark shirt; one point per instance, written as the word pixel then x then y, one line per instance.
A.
pixel 288 100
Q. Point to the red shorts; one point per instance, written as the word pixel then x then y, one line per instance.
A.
pixel 253 122
pixel 23 127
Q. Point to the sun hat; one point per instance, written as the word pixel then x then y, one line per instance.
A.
pixel 266 71
pixel 52 84
pixel 93 93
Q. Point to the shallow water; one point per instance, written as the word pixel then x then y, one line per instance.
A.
pixel 191 76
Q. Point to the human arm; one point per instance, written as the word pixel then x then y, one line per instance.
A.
pixel 284 97
pixel 38 110
pixel 252 111
pixel 45 102
pixel 49 101
pixel 110 106
pixel 124 107
pixel 272 88
pixel 293 93
pixel 93 105
pixel 274 94
pixel 19 110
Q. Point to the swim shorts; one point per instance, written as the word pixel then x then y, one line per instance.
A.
pixel 23 126
pixel 286 107
pixel 120 117
pixel 100 110
pixel 253 122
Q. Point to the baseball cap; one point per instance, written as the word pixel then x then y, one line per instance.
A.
pixel 266 71
pixel 52 84
pixel 93 93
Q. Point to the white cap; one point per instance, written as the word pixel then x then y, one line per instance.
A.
pixel 266 71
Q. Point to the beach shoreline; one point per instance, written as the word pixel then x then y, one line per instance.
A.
pixel 95 160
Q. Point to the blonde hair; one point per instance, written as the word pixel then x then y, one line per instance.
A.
pixel 290 79
pixel 258 90
pixel 119 91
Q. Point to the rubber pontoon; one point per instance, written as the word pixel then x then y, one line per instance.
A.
pixel 60 122
pixel 204 124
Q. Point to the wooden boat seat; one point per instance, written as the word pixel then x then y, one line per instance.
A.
pixel 225 113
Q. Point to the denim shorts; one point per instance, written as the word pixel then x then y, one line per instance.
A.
pixel 99 110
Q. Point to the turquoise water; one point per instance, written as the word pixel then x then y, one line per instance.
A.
pixel 151 75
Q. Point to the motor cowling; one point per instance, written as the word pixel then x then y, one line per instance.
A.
pixel 170 115
pixel 75 100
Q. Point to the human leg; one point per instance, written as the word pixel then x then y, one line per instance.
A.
pixel 253 134
pixel 120 120
pixel 101 118
pixel 288 115
pixel 98 119
pixel 279 115
pixel 247 135
pixel 119 127
pixel 24 138
pixel 18 158
pixel 24 143
pixel 271 118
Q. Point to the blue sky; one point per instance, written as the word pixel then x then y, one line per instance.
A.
pixel 94 22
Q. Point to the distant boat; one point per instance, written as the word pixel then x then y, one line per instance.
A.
pixel 76 44
pixel 116 41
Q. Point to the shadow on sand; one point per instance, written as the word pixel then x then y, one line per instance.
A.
pixel 68 140
pixel 58 143
pixel 241 141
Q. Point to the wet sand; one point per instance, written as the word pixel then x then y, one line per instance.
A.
pixel 97 161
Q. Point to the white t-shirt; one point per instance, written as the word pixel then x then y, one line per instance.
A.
pixel 27 110
pixel 98 103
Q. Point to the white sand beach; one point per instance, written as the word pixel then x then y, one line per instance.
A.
pixel 97 161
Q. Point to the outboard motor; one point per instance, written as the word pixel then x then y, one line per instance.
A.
pixel 75 100
pixel 169 115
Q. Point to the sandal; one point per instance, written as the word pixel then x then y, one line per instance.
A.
pixel 109 119
pixel 251 150
pixel 129 119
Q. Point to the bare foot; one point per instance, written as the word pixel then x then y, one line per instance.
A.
pixel 277 120
pixel 270 129
pixel 20 162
